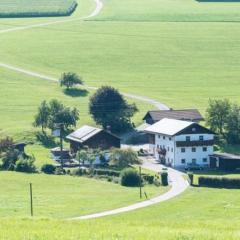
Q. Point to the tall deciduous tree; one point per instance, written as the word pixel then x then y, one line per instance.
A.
pixel 233 125
pixel 70 79
pixel 42 116
pixel 123 157
pixel 53 113
pixel 109 109
pixel 217 115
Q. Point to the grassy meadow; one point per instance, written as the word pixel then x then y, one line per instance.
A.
pixel 200 213
pixel 64 196
pixel 180 52
pixel 33 8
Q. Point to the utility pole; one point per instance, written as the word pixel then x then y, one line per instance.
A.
pixel 61 143
pixel 31 199
pixel 140 182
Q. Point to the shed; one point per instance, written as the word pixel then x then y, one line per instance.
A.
pixel 225 161
pixel 93 138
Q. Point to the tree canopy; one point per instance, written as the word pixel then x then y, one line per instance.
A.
pixel 223 117
pixel 109 109
pixel 53 113
pixel 123 157
pixel 70 79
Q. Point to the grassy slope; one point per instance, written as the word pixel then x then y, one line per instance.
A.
pixel 182 64
pixel 198 214
pixel 171 11
pixel 21 96
pixel 63 196
pixel 34 6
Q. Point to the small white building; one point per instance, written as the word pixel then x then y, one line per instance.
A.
pixel 177 143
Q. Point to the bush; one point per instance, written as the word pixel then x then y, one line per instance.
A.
pixel 148 178
pixel 190 176
pixel 59 171
pixel 25 165
pixel 219 182
pixel 130 178
pixel 106 172
pixel 48 168
pixel 164 178
pixel 80 172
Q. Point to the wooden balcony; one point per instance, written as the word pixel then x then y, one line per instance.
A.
pixel 194 143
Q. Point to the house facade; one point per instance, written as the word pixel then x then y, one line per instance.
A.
pixel 177 143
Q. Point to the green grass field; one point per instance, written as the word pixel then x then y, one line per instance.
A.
pixel 180 52
pixel 200 213
pixel 35 8
pixel 63 196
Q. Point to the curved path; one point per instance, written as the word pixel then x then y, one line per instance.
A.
pixel 176 180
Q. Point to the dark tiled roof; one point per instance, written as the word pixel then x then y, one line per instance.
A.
pixel 185 114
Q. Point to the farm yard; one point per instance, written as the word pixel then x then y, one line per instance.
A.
pixel 180 53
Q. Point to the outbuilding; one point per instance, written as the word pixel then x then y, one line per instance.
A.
pixel 225 161
pixel 192 115
pixel 94 138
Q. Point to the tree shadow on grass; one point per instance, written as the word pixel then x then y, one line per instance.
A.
pixel 76 92
pixel 46 140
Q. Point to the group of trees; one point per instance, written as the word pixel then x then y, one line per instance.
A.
pixel 223 117
pixel 107 107
pixel 54 112
pixel 14 160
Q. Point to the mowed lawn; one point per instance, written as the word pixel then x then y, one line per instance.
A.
pixel 63 196
pixel 199 214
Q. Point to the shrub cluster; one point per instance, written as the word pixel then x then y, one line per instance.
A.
pixel 164 178
pixel 148 178
pixel 106 172
pixel 130 178
pixel 48 168
pixel 219 182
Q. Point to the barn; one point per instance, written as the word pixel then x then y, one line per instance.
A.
pixel 225 161
pixel 94 138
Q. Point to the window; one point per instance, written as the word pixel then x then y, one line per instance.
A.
pixel 188 139
pixel 204 160
pixel 204 149
pixel 168 149
pixel 193 149
pixel 170 139
pixel 163 137
pixel 171 149
pixel 183 161
pixel 194 161
pixel 201 138
pixel 183 150
pixel 159 136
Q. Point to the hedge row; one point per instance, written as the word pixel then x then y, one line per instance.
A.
pixel 59 13
pixel 219 182
pixel 106 172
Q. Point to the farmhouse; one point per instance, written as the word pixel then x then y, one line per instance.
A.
pixel 93 138
pixel 192 115
pixel 177 143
